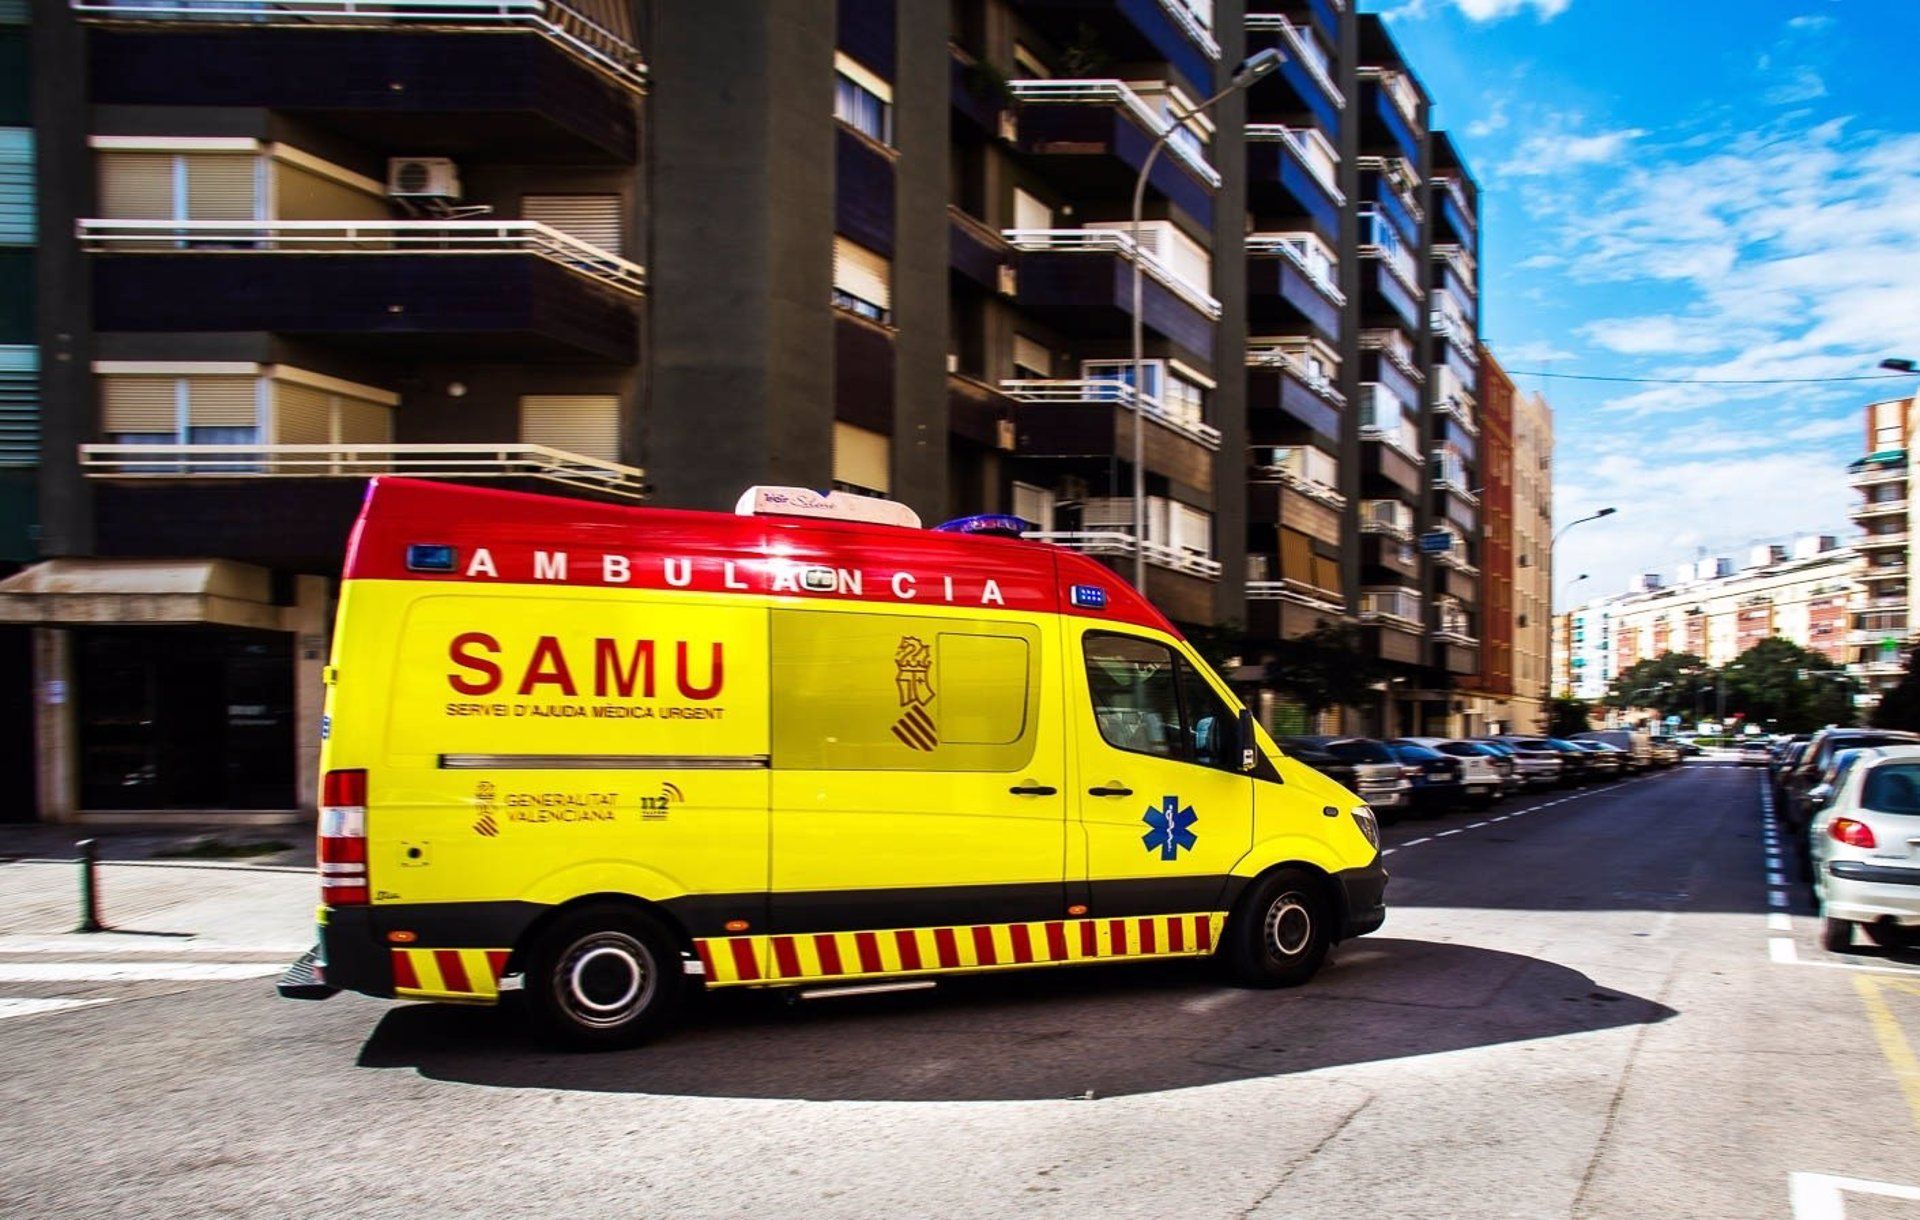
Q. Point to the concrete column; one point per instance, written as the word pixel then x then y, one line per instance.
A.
pixel 922 107
pixel 308 621
pixel 55 726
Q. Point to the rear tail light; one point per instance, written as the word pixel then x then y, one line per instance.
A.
pixel 342 843
pixel 1852 833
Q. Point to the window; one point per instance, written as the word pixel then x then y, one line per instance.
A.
pixel 198 410
pixel 585 424
pixel 594 219
pixel 1031 358
pixel 862 280
pixel 1147 700
pixel 181 186
pixel 861 460
pixel 16 186
pixel 862 100
pixel 1035 504
pixel 891 692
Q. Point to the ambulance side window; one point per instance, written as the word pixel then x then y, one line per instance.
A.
pixel 1147 700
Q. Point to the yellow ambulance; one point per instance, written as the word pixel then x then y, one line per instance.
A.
pixel 609 754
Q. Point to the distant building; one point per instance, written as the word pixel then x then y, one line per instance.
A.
pixel 1883 614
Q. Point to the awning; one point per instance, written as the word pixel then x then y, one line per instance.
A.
pixel 142 592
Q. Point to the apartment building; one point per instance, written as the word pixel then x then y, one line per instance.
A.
pixel 1533 576
pixel 1716 609
pixel 19 380
pixel 646 250
pixel 1882 618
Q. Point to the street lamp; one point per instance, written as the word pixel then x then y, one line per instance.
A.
pixel 1251 69
pixel 1900 364
pixel 1605 512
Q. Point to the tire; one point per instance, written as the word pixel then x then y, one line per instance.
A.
pixel 1280 933
pixel 1836 935
pixel 603 977
pixel 1893 935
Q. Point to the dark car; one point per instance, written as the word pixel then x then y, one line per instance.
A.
pixel 1609 762
pixel 1435 778
pixel 1793 809
pixel 1362 765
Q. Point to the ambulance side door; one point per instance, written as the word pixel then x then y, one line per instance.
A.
pixel 1157 788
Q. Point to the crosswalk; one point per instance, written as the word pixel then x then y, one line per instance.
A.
pixel 45 976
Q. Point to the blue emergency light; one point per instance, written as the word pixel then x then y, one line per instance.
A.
pixel 430 557
pixel 993 525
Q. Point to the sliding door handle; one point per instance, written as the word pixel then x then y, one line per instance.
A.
pixel 1032 790
pixel 1110 791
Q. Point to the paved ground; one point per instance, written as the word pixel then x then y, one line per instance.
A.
pixel 1584 1004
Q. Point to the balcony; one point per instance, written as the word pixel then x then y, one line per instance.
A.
pixel 1095 418
pixel 1395 607
pixel 1388 518
pixel 1304 165
pixel 1874 573
pixel 1458 408
pixel 1113 544
pixel 1392 346
pixel 978 252
pixel 1396 279
pixel 1285 288
pixel 1878 508
pixel 462 462
pixel 1081 280
pixel 1392 113
pixel 1458 217
pixel 1278 379
pixel 1877 669
pixel 1304 72
pixel 510 289
pixel 1298 592
pixel 1878 469
pixel 1107 129
pixel 1300 467
pixel 1891 540
pixel 1383 418
pixel 1171 31
pixel 513 80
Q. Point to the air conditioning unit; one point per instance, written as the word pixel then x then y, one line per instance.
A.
pixel 422 178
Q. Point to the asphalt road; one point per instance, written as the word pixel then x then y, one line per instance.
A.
pixel 1582 1004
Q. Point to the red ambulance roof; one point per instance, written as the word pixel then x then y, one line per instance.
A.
pixel 508 537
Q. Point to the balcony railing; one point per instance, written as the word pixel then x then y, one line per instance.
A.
pixel 1383 418
pixel 1299 592
pixel 1450 474
pixel 1457 258
pixel 1454 328
pixel 591 40
pixel 1877 669
pixel 364 238
pixel 1320 162
pixel 1292 360
pixel 1293 248
pixel 1067 391
pixel 1400 89
pixel 474 461
pixel 1380 240
pixel 1401 178
pixel 1112 543
pixel 1108 92
pixel 1395 605
pixel 1876 469
pixel 1112 241
pixel 1301 51
pixel 1883 571
pixel 1189 21
pixel 1456 559
pixel 1394 346
pixel 1293 466
pixel 1457 408
pixel 1880 542
pixel 1459 193
pixel 1388 517
pixel 1877 508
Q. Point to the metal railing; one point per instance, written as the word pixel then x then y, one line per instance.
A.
pixel 1455 329
pixel 1277 23
pixel 1458 409
pixel 1068 391
pixel 1456 256
pixel 1113 543
pixel 1459 194
pixel 1111 241
pixel 1877 508
pixel 1394 346
pixel 361 238
pixel 1090 91
pixel 1883 571
pixel 1383 418
pixel 1293 248
pixel 1290 466
pixel 1188 20
pixel 1388 517
pixel 1449 473
pixel 1875 542
pixel 566 25
pixel 1297 591
pixel 1400 605
pixel 1400 89
pixel 462 461
pixel 1290 360
pixel 1379 239
pixel 1300 140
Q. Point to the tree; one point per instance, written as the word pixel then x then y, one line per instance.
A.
pixel 1900 707
pixel 1794 690
pixel 1326 667
pixel 1671 683
pixel 1567 716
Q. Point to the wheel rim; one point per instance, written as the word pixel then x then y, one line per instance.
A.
pixel 1288 927
pixel 604 979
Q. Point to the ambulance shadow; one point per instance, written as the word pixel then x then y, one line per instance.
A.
pixel 1087 1032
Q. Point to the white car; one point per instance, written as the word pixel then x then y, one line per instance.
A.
pixel 1478 772
pixel 1864 843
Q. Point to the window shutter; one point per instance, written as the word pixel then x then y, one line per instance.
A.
pixel 16 186
pixel 1029 212
pixel 860 272
pixel 221 186
pixel 302 415
pixel 19 405
pixel 1033 504
pixel 222 402
pixel 1032 357
pixel 586 424
pixel 139 404
pixel 136 186
pixel 594 219
pixel 1296 556
pixel 1326 574
pixel 860 458
pixel 365 423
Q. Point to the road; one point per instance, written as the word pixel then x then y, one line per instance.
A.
pixel 1583 1004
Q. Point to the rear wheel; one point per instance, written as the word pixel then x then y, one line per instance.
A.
pixel 603 977
pixel 1893 935
pixel 1836 935
pixel 1280 933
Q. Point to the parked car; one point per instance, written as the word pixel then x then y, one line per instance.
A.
pixel 1637 743
pixel 1793 810
pixel 1539 763
pixel 1364 766
pixel 1665 754
pixel 1783 768
pixel 1609 762
pixel 1479 768
pixel 1866 874
pixel 1756 752
pixel 1688 747
pixel 1508 760
pixel 1784 751
pixel 1576 764
pixel 1436 779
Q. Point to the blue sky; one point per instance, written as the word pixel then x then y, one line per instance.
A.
pixel 1689 189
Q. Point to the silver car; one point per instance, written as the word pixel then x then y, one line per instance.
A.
pixel 1864 844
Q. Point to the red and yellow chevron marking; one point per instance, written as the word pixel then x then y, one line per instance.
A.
pixel 733 960
pixel 472 975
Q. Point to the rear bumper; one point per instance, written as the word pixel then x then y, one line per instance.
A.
pixel 1860 891
pixel 1363 898
pixel 452 951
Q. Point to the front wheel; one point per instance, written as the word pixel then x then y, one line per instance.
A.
pixel 1281 931
pixel 603 977
pixel 1836 935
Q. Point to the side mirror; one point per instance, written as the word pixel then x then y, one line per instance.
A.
pixel 1820 795
pixel 1249 750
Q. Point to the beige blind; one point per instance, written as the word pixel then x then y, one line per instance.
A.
pixel 365 423
pixel 302 194
pixel 221 186
pixel 136 186
pixel 594 219
pixel 860 458
pixel 860 272
pixel 1029 212
pixel 139 404
pixel 222 402
pixel 302 415
pixel 1032 357
pixel 586 424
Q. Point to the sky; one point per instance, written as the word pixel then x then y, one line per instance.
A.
pixel 1688 190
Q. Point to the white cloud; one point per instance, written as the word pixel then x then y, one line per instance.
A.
pixel 1557 148
pixel 1654 335
pixel 1496 10
pixel 1804 86
pixel 1526 355
pixel 1810 21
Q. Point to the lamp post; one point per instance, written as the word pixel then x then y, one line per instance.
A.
pixel 1900 364
pixel 1605 512
pixel 1251 69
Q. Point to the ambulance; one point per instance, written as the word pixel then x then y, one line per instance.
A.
pixel 609 755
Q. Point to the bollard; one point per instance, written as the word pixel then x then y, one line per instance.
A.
pixel 89 889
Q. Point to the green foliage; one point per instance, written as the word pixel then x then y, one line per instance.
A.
pixel 1788 688
pixel 1567 716
pixel 1672 683
pixel 1325 668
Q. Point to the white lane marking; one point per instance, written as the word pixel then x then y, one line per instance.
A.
pixel 1474 826
pixel 1776 879
pixel 1775 898
pixel 107 942
pixel 1780 950
pixel 1779 921
pixel 1908 971
pixel 15 1007
pixel 1389 851
pixel 1443 834
pixel 1416 842
pixel 1819 1196
pixel 134 972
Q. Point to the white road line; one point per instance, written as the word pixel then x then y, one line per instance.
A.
pixel 1776 879
pixel 1780 950
pixel 15 1007
pixel 1779 921
pixel 134 972
pixel 1389 851
pixel 1443 834
pixel 1903 970
pixel 1776 898
pixel 1474 826
pixel 1416 842
pixel 1818 1196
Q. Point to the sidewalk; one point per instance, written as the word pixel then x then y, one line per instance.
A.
pixel 183 840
